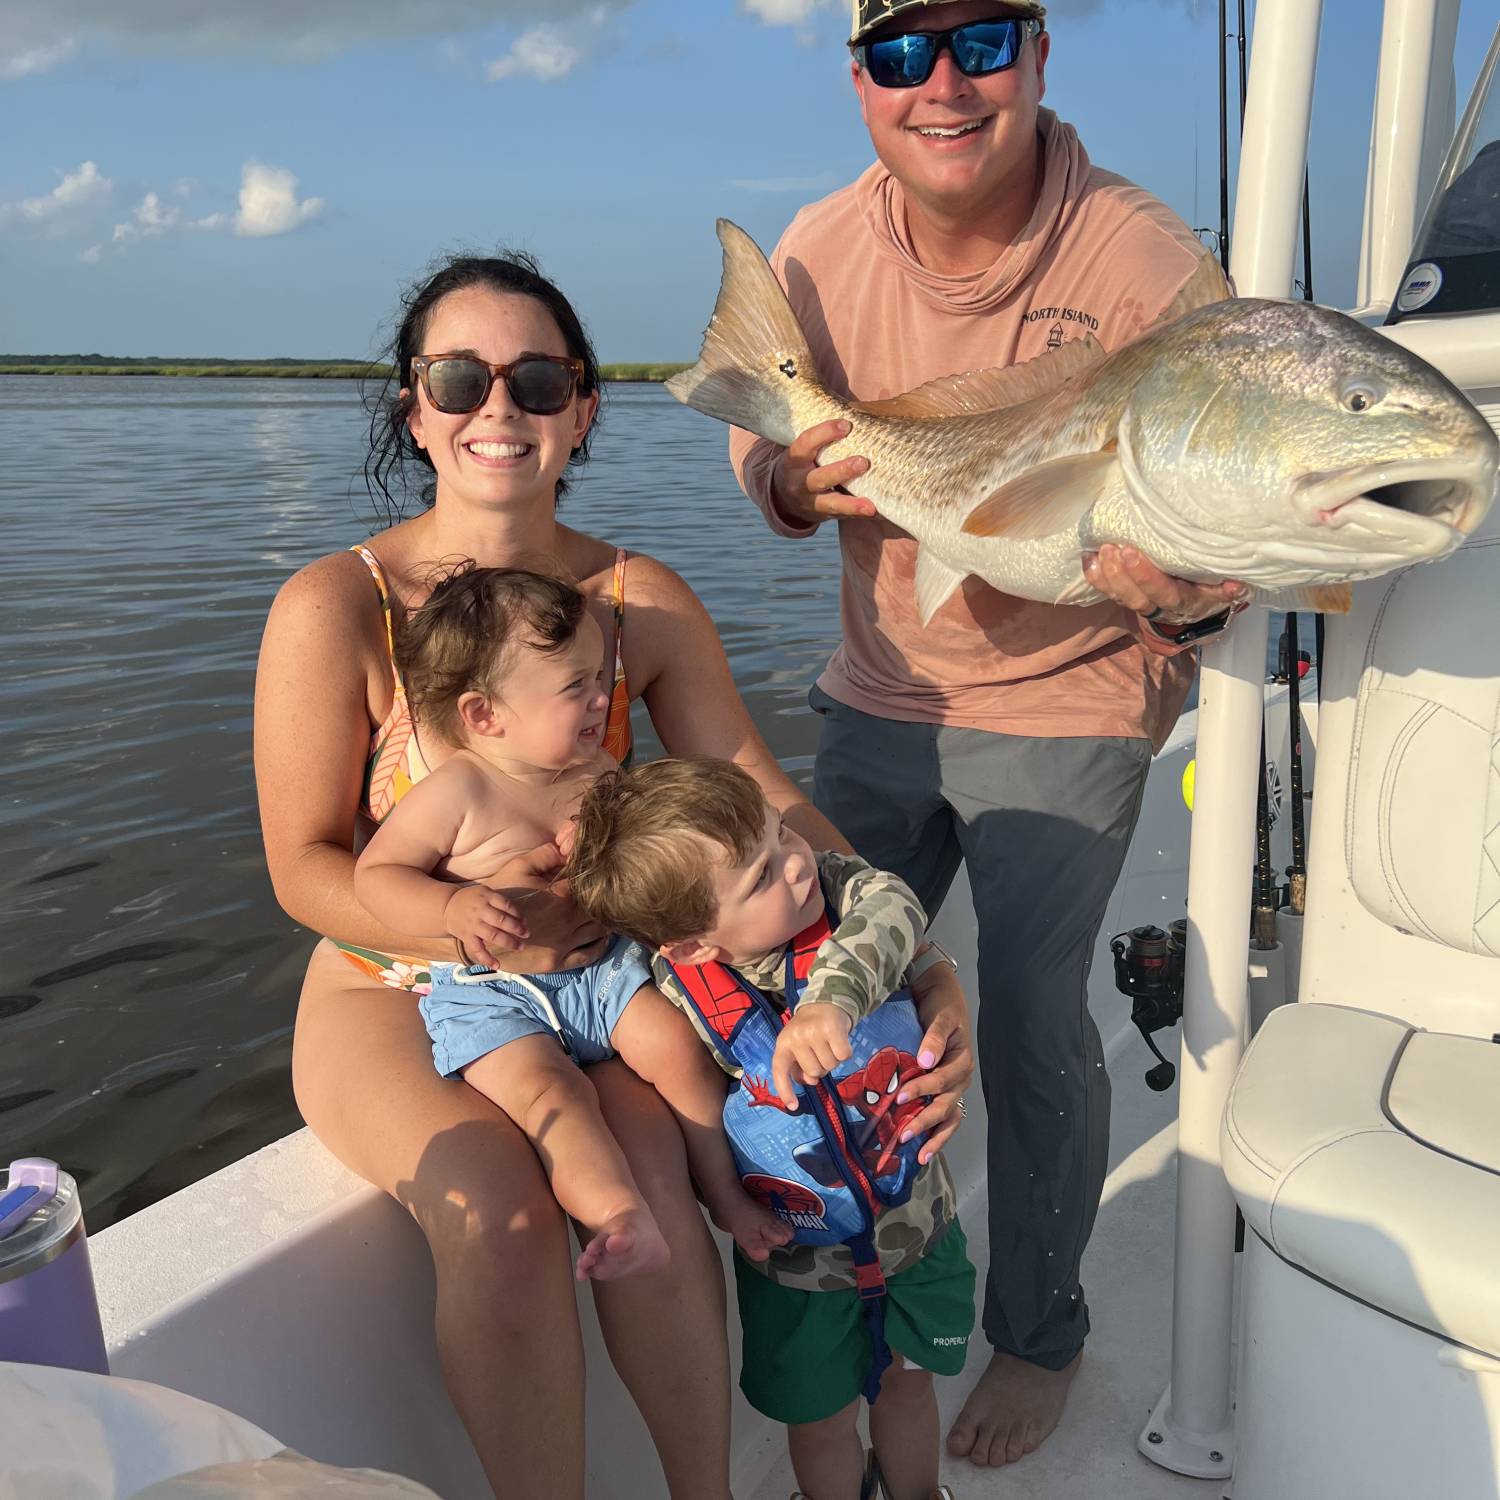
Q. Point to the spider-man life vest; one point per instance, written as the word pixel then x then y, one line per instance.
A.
pixel 832 1167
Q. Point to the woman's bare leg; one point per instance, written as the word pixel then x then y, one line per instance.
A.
pixel 666 1333
pixel 507 1324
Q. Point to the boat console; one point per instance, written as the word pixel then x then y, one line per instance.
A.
pixel 1361 1137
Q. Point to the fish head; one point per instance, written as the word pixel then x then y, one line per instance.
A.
pixel 1291 443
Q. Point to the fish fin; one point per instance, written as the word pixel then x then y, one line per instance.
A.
pixel 935 584
pixel 754 353
pixel 1047 498
pixel 988 390
pixel 1207 284
pixel 1321 599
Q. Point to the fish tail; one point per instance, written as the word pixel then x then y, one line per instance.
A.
pixel 755 369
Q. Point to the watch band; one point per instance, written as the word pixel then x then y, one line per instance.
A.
pixel 1193 630
pixel 929 954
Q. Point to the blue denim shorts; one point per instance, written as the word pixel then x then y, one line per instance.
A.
pixel 472 1012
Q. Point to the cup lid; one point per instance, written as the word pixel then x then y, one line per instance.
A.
pixel 39 1207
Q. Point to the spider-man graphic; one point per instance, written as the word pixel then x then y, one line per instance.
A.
pixel 872 1092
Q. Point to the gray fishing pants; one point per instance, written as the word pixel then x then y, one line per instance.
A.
pixel 1042 825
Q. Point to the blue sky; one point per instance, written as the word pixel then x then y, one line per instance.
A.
pixel 192 177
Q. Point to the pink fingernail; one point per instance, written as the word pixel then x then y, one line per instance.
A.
pixel 902 1098
pixel 926 1058
pixel 906 1135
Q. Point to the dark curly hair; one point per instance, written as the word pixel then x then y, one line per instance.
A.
pixel 388 465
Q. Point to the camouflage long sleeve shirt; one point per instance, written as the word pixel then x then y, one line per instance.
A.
pixel 862 961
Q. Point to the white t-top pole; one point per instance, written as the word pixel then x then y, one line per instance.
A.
pixel 1191 1430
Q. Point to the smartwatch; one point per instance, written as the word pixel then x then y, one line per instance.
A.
pixel 929 954
pixel 1194 630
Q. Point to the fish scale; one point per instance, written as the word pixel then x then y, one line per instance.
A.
pixel 1278 443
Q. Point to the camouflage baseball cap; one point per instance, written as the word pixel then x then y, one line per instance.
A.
pixel 868 14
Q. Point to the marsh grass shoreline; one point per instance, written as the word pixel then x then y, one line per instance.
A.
pixel 260 369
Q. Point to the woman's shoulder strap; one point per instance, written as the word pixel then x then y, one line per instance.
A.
pixel 383 588
pixel 617 599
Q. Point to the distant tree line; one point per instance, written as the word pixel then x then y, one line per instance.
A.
pixel 304 369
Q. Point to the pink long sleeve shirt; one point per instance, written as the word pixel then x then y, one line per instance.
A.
pixel 1099 256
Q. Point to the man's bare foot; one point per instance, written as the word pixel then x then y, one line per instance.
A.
pixel 629 1244
pixel 752 1226
pixel 1011 1412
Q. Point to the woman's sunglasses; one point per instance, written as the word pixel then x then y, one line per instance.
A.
pixel 979 49
pixel 541 384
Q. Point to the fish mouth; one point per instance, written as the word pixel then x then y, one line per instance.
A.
pixel 1422 506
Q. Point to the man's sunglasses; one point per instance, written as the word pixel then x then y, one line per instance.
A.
pixel 979 49
pixel 541 384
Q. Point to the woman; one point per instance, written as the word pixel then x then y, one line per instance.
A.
pixel 497 421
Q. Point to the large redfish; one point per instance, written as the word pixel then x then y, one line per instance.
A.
pixel 1279 443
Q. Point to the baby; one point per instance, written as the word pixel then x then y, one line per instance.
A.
pixel 504 666
pixel 687 857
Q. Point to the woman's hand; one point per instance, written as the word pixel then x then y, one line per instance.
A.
pixel 808 491
pixel 555 926
pixel 947 1053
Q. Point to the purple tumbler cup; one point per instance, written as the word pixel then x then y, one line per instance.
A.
pixel 48 1312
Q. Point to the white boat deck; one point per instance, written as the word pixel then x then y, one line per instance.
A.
pixel 290 1293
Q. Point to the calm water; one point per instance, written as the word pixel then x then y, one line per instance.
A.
pixel 150 979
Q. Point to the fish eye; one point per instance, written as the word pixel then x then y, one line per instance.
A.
pixel 1359 396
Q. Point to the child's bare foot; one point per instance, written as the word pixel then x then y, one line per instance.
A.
pixel 629 1244
pixel 752 1226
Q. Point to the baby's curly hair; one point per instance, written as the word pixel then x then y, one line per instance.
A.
pixel 648 840
pixel 461 639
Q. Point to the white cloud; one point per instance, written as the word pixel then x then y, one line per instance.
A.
pixel 268 202
pixel 70 200
pixel 42 58
pixel 278 30
pixel 790 12
pixel 546 52
pixel 799 12
pixel 784 184
pixel 152 218
pixel 91 256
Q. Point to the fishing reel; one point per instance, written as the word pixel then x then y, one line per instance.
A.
pixel 1149 968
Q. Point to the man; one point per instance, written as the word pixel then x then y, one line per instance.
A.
pixel 1009 735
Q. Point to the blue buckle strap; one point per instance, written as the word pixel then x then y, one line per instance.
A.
pixel 870 1280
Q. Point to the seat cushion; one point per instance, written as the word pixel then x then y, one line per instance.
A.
pixel 1422 830
pixel 1368 1155
pixel 1445 1091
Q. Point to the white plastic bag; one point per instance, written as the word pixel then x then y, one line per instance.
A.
pixel 66 1435
pixel 288 1476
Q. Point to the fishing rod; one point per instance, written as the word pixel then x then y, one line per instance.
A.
pixel 1298 871
pixel 1263 918
pixel 1223 138
pixel 1297 874
pixel 1263 914
pixel 1239 37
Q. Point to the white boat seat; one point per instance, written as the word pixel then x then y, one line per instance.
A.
pixel 1366 1153
pixel 1422 822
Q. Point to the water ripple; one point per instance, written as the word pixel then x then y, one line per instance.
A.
pixel 147 1005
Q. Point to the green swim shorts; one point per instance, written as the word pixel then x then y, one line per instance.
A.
pixel 806 1354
